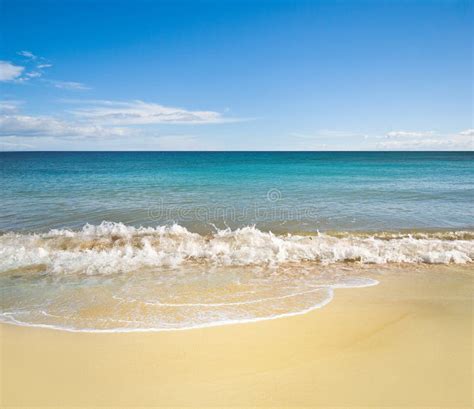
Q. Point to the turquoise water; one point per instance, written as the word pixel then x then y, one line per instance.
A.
pixel 118 242
pixel 275 191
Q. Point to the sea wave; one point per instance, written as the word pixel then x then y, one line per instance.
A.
pixel 114 248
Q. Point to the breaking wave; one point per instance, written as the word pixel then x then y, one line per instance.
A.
pixel 114 247
pixel 117 278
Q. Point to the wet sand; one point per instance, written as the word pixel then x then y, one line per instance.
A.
pixel 406 343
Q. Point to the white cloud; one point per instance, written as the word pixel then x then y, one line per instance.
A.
pixel 40 126
pixel 27 54
pixel 34 67
pixel 95 121
pixel 143 113
pixel 41 62
pixel 425 144
pixel 403 144
pixel 467 132
pixel 71 85
pixel 428 141
pixel 23 73
pixel 393 140
pixel 409 134
pixel 9 71
pixel 33 74
pixel 21 131
pixel 9 106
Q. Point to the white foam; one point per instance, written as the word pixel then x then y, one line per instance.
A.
pixel 229 277
pixel 114 248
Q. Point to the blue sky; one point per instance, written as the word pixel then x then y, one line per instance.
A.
pixel 236 75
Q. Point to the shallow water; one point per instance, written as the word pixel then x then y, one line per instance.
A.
pixel 120 278
pixel 158 300
pixel 224 237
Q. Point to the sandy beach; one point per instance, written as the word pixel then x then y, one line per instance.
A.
pixel 236 204
pixel 404 343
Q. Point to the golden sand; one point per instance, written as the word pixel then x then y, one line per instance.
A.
pixel 406 343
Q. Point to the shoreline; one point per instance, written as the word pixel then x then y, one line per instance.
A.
pixel 406 342
pixel 322 304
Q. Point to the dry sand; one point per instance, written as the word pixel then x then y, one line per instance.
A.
pixel 404 343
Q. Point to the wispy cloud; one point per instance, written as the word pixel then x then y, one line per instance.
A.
pixel 15 124
pixel 426 140
pixel 467 132
pixel 392 140
pixel 33 74
pixel 10 71
pixel 27 54
pixel 409 134
pixel 34 67
pixel 143 113
pixel 71 85
pixel 38 126
pixel 9 106
pixel 113 120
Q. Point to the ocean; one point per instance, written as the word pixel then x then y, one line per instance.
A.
pixel 151 241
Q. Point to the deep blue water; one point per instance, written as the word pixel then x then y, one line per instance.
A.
pixel 278 191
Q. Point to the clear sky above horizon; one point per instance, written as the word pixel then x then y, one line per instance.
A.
pixel 236 75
